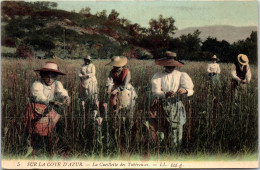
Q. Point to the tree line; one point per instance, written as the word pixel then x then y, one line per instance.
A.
pixel 127 38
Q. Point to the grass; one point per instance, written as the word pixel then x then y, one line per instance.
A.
pixel 216 127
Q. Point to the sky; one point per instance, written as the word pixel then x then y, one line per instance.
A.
pixel 188 13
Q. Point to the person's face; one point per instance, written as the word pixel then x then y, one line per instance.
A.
pixel 169 69
pixel 118 68
pixel 214 61
pixel 49 78
pixel 87 62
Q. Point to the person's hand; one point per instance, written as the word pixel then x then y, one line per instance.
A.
pixel 182 91
pixel 243 81
pixel 66 100
pixel 169 94
pixel 114 92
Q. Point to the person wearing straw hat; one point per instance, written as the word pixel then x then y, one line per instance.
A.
pixel 167 112
pixel 41 119
pixel 122 100
pixel 88 78
pixel 118 84
pixel 214 70
pixel 241 73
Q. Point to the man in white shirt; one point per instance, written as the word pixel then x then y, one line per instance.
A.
pixel 214 70
pixel 241 73
pixel 167 112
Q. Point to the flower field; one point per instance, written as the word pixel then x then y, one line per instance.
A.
pixel 215 123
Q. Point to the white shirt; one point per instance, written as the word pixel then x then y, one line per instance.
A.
pixel 163 82
pixel 88 70
pixel 234 73
pixel 213 68
pixel 43 93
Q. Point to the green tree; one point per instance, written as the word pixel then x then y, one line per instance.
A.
pixel 159 34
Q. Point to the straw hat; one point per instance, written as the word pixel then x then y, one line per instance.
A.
pixel 215 57
pixel 87 58
pixel 118 61
pixel 242 59
pixel 171 54
pixel 51 67
pixel 169 60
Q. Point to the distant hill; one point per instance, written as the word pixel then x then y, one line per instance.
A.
pixel 221 32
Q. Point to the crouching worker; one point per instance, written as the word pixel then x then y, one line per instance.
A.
pixel 241 74
pixel 167 112
pixel 41 119
pixel 121 101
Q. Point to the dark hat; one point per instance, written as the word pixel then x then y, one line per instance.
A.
pixel 169 60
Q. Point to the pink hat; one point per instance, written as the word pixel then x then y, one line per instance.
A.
pixel 51 67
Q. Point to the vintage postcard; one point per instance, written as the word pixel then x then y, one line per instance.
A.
pixel 118 84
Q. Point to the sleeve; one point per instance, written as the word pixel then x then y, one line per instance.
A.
pixel 37 93
pixel 248 74
pixel 187 83
pixel 60 90
pixel 80 72
pixel 93 71
pixel 218 70
pixel 208 69
pixel 233 73
pixel 157 86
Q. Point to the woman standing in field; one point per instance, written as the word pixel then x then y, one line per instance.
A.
pixel 40 118
pixel 122 101
pixel 88 79
pixel 167 112
pixel 241 73
pixel 122 93
pixel 214 70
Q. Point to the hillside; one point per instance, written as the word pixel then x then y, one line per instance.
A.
pixel 39 29
pixel 221 32
pixel 53 32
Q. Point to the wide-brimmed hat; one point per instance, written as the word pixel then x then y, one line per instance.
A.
pixel 169 60
pixel 87 58
pixel 215 57
pixel 242 59
pixel 51 67
pixel 118 61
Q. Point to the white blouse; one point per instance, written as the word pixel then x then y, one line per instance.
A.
pixel 163 82
pixel 213 68
pixel 88 70
pixel 43 93
pixel 234 73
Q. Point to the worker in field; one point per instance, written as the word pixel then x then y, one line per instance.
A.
pixel 241 73
pixel 214 70
pixel 122 98
pixel 87 75
pixel 41 121
pixel 122 93
pixel 167 112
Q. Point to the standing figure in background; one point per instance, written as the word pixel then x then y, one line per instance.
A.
pixel 88 79
pixel 167 112
pixel 214 70
pixel 41 119
pixel 241 74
